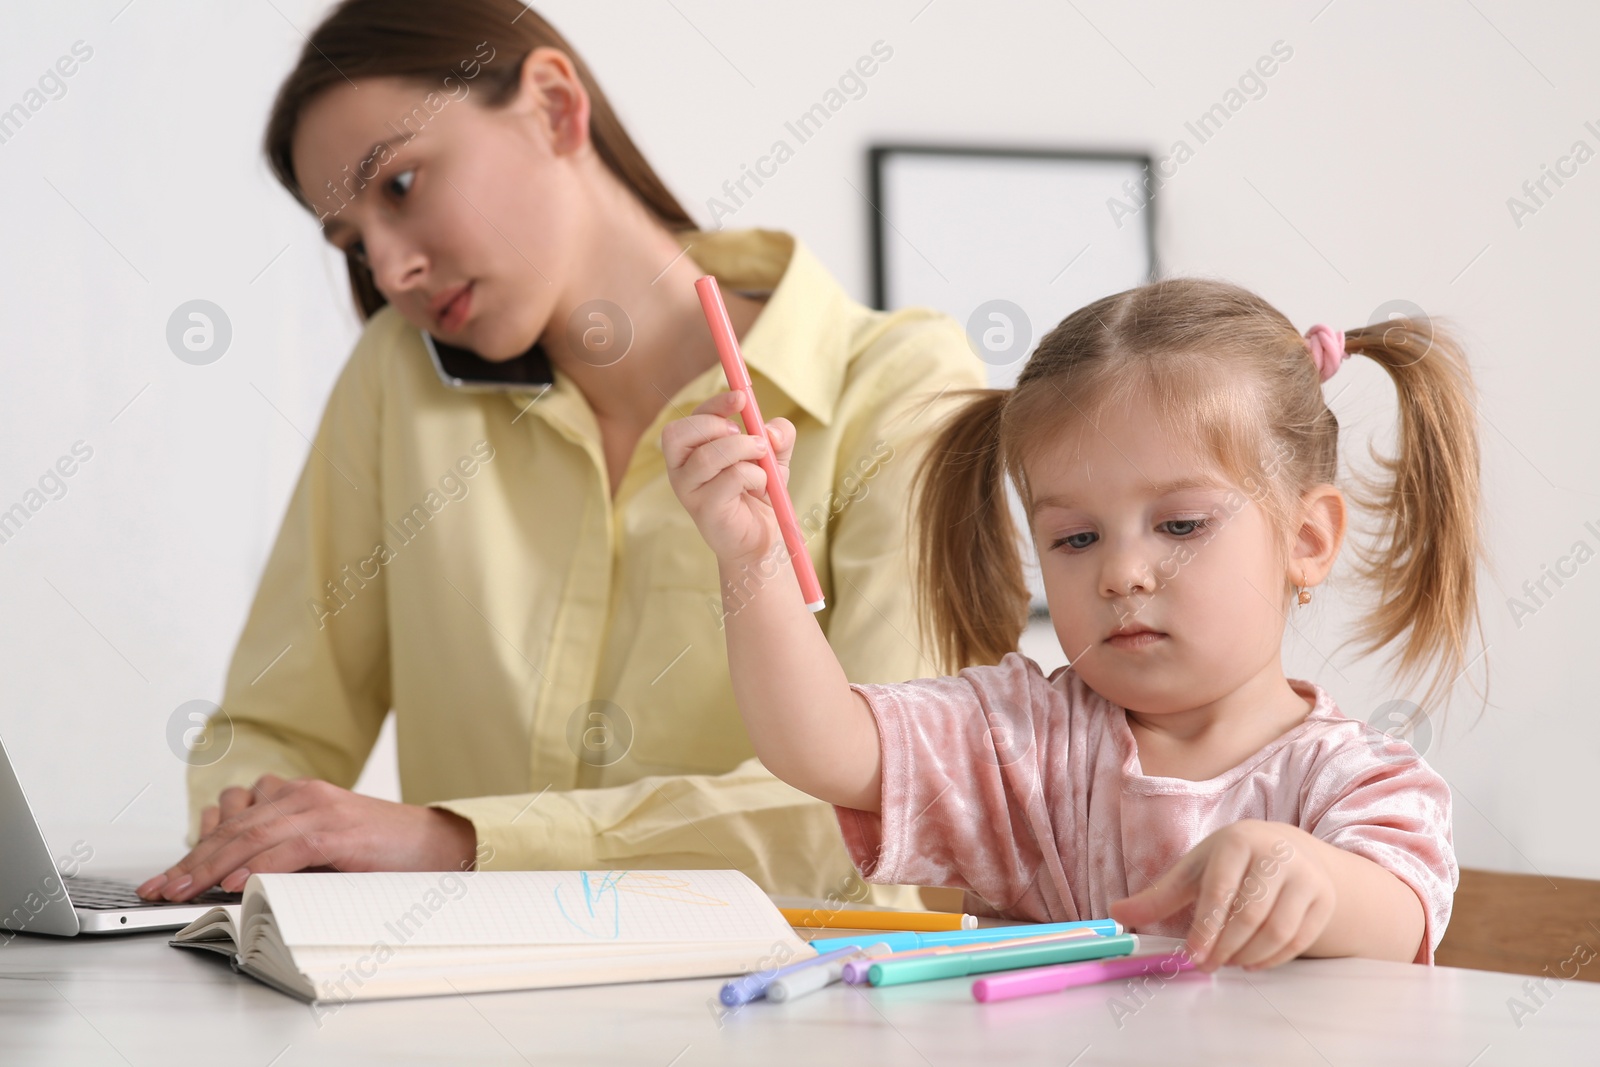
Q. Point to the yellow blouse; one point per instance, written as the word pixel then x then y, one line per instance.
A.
pixel 554 656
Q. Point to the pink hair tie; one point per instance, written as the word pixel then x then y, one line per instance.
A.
pixel 1327 349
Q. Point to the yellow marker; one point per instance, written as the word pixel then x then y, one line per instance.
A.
pixel 916 921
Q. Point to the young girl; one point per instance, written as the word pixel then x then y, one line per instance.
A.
pixel 1177 459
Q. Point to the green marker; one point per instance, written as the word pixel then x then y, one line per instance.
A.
pixel 982 961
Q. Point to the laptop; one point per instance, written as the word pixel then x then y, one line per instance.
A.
pixel 36 898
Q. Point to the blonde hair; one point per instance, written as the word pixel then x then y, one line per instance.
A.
pixel 1227 368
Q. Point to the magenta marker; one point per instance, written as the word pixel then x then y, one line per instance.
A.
pixel 1036 980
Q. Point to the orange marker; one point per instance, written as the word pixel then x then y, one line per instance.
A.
pixel 919 921
pixel 739 378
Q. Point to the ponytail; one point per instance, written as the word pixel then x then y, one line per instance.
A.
pixel 1423 560
pixel 971 596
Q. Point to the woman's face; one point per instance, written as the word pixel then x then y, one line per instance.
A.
pixel 457 198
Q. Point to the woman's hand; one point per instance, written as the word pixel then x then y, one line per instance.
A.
pixel 290 825
pixel 1262 894
pixel 715 469
pixel 235 799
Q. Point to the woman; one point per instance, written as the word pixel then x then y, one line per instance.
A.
pixel 483 538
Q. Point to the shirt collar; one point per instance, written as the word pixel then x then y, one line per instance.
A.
pixel 799 341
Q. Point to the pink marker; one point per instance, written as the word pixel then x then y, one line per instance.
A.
pixel 739 378
pixel 1027 983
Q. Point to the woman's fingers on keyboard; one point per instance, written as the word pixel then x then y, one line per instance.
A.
pixel 309 823
pixel 232 800
pixel 236 798
pixel 269 786
pixel 234 842
pixel 295 853
pixel 241 824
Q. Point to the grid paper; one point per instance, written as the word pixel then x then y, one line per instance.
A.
pixel 521 907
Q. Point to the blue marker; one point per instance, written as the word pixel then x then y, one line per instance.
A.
pixel 906 942
pixel 754 985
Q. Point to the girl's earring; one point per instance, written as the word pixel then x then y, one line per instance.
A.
pixel 1305 596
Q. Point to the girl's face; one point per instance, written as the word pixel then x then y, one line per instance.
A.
pixel 1166 583
pixel 483 198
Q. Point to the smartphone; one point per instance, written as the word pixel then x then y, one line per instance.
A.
pixel 462 368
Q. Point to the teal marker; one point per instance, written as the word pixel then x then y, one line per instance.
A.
pixel 906 942
pixel 958 964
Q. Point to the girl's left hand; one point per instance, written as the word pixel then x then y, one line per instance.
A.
pixel 1261 896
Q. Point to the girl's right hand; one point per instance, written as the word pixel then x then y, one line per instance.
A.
pixel 714 467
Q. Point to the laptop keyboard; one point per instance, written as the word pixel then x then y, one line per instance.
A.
pixel 106 894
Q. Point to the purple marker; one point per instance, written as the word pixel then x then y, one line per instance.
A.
pixel 753 986
pixel 854 972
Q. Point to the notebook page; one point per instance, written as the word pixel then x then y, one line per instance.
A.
pixel 521 907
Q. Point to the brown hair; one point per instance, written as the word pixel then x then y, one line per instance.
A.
pixel 424 40
pixel 1231 371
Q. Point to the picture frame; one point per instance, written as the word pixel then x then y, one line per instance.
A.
pixel 1008 241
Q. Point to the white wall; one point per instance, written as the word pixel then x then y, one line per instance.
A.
pixel 1377 166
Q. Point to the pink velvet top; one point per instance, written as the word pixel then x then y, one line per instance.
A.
pixel 1027 792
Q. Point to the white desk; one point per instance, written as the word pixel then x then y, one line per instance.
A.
pixel 134 1000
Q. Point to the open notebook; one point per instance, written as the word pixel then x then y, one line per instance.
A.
pixel 342 937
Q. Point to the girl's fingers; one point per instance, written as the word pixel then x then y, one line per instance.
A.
pixel 1280 926
pixel 1257 899
pixel 725 404
pixel 714 457
pixel 782 432
pixel 1220 885
pixel 734 482
pixel 209 817
pixel 1171 892
pixel 1312 924
pixel 683 436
